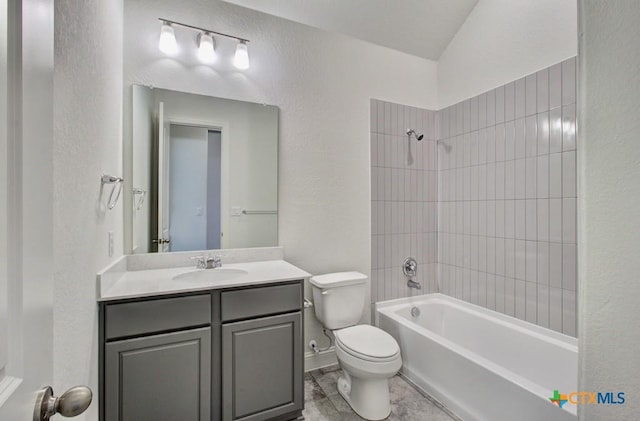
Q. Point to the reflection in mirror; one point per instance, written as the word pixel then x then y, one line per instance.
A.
pixel 205 172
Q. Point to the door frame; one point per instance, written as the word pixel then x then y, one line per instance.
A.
pixel 223 127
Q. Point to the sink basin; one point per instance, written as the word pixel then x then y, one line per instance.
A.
pixel 210 275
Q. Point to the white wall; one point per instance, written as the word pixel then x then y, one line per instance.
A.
pixel 322 83
pixel 503 40
pixel 609 183
pixel 87 142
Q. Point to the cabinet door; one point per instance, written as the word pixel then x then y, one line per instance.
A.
pixel 162 377
pixel 262 368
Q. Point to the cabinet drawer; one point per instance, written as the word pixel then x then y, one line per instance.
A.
pixel 253 302
pixel 130 319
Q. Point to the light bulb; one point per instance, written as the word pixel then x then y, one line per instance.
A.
pixel 167 44
pixel 206 48
pixel 241 60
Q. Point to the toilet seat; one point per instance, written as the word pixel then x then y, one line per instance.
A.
pixel 367 343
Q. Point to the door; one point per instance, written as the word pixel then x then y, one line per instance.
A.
pixel 159 377
pixel 262 368
pixel 164 138
pixel 26 210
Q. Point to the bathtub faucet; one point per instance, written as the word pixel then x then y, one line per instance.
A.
pixel 413 284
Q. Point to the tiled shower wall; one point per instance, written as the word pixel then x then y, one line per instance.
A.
pixel 403 199
pixel 507 198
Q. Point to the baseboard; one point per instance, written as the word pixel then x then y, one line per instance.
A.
pixel 313 361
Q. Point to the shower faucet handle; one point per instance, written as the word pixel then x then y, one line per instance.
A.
pixel 410 267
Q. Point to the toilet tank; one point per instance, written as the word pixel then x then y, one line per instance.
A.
pixel 339 298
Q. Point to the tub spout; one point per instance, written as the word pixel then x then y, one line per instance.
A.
pixel 413 284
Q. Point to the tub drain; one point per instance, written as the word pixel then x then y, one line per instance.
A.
pixel 415 311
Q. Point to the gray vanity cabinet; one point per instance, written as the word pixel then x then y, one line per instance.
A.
pixel 159 377
pixel 262 368
pixel 227 354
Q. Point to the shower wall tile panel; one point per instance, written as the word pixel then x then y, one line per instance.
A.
pixel 507 198
pixel 403 199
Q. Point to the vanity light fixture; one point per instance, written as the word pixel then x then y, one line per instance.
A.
pixel 205 41
pixel 206 47
pixel 241 60
pixel 167 44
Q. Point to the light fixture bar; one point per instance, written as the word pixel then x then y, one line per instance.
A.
pixel 203 29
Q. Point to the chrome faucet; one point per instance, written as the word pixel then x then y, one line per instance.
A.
pixel 208 262
pixel 413 284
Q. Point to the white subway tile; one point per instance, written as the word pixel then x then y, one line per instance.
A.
pixel 555 220
pixel 510 296
pixel 491 181
pixel 521 258
pixel 491 144
pixel 569 312
pixel 543 219
pixel 531 166
pixel 531 302
pixel 491 108
pixel 542 133
pixel 509 101
pixel 555 130
pixel 467 115
pixel 569 81
pixel 520 299
pixel 474 113
pixel 482 289
pixel 500 104
pixel 520 138
pixel 482 182
pixel 482 146
pixel 510 180
pixel 520 182
pixel 569 174
pixel 520 102
pixel 555 265
pixel 491 218
pixel 510 140
pixel 482 111
pixel 500 294
pixel 519 219
pixel 509 219
pixel 543 305
pixel 542 175
pixel 509 258
pixel 531 263
pixel 542 262
pixel 500 256
pixel 555 309
pixel 555 86
pixel 531 219
pixel 542 90
pixel 482 254
pixel 500 141
pixel 531 135
pixel 531 100
pixel 500 180
pixel 569 267
pixel 555 175
pixel 569 127
pixel 569 221
pixel 491 255
pixel 500 218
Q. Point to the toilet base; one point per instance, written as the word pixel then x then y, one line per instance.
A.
pixel 368 398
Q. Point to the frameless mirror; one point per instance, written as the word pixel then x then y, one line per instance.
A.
pixel 205 172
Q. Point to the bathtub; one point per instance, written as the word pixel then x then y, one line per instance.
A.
pixel 481 364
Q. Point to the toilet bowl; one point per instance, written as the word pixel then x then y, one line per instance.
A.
pixel 367 355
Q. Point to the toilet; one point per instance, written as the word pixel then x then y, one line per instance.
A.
pixel 367 355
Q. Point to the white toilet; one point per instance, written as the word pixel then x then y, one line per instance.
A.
pixel 368 356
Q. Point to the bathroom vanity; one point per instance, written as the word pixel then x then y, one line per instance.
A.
pixel 227 349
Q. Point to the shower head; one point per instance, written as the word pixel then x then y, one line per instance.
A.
pixel 418 136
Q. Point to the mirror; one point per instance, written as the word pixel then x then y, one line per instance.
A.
pixel 205 172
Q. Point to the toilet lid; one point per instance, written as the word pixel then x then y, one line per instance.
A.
pixel 368 341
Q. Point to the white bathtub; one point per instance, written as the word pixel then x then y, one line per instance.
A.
pixel 481 364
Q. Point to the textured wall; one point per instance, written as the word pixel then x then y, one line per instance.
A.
pixel 503 40
pixel 507 198
pixel 87 143
pixel 609 191
pixel 322 83
pixel 403 199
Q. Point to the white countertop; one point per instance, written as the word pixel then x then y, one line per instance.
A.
pixel 154 282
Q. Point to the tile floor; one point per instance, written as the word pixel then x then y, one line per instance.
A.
pixel 323 403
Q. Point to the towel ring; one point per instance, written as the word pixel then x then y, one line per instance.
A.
pixel 116 184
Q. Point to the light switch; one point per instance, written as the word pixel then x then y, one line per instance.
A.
pixel 199 211
pixel 236 211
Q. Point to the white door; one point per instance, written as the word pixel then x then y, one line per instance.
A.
pixel 164 137
pixel 26 209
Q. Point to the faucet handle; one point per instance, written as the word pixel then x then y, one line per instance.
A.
pixel 200 262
